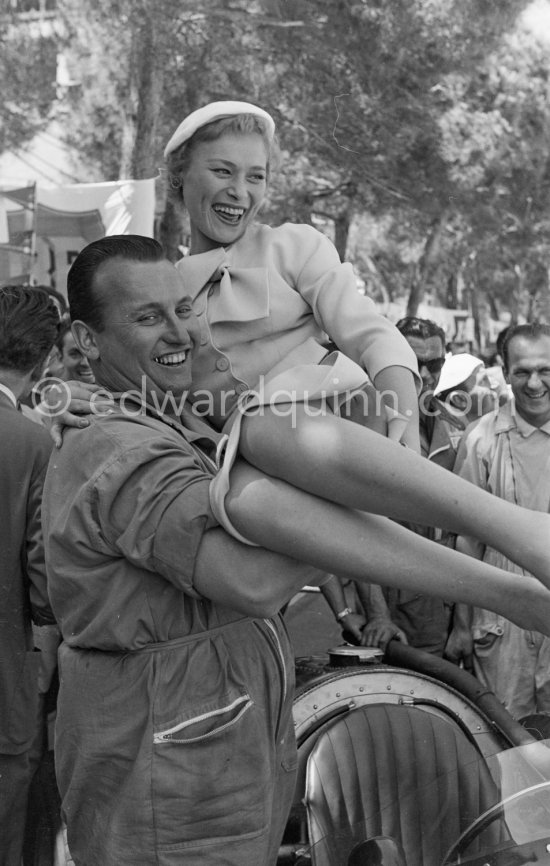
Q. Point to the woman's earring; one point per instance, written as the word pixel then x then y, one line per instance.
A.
pixel 176 181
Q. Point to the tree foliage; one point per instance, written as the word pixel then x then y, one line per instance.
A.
pixel 495 137
pixel 28 72
pixel 425 118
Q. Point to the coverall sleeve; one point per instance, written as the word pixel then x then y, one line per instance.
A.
pixel 152 507
pixel 349 318
pixel 471 464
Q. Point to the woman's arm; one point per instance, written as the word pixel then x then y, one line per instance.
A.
pixel 397 388
pixel 354 324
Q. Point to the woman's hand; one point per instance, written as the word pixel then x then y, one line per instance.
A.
pixel 397 387
pixel 67 404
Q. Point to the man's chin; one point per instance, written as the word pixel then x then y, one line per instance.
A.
pixel 166 401
pixel 87 378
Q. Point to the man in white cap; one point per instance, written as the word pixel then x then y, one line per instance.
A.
pixel 465 388
pixel 508 453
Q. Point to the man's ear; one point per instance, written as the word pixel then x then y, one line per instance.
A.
pixel 84 338
pixel 37 373
pixel 459 399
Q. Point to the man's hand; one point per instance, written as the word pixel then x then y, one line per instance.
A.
pixel 353 623
pixel 67 404
pixel 460 644
pixel 379 631
pixel 460 647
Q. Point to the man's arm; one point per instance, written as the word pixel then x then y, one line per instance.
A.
pixel 35 565
pixel 153 507
pixel 252 580
pixel 347 619
pixel 46 634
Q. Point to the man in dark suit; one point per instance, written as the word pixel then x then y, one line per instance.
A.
pixel 28 328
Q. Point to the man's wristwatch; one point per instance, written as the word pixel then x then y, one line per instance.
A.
pixel 343 613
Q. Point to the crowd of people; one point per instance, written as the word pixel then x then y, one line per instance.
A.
pixel 238 426
pixel 498 440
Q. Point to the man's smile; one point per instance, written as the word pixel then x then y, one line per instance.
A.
pixel 174 359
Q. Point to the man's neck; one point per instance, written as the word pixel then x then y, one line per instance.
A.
pixel 17 382
pixel 532 422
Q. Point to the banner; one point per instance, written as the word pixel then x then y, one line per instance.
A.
pixel 69 217
pixel 66 218
pixel 17 209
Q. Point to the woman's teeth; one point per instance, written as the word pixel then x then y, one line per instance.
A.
pixel 227 212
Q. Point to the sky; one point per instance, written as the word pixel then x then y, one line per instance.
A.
pixel 537 18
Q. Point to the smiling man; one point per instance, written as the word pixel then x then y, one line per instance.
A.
pixel 75 364
pixel 508 453
pixel 174 735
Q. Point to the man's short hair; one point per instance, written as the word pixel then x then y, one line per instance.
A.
pixel 423 329
pixel 64 329
pixel 532 331
pixel 28 327
pixel 501 336
pixel 84 305
pixel 58 299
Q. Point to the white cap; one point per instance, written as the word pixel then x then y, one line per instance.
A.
pixel 455 371
pixel 215 111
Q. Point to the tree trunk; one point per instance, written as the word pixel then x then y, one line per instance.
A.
pixel 127 145
pixel 341 232
pixel 427 260
pixel 150 80
pixel 144 101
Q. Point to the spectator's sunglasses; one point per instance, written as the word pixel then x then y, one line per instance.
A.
pixel 433 366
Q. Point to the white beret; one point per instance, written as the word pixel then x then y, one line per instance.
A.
pixel 215 111
pixel 455 371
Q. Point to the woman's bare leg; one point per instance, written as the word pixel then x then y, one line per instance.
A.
pixel 348 464
pixel 369 548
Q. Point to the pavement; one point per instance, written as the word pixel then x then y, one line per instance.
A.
pixel 311 624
